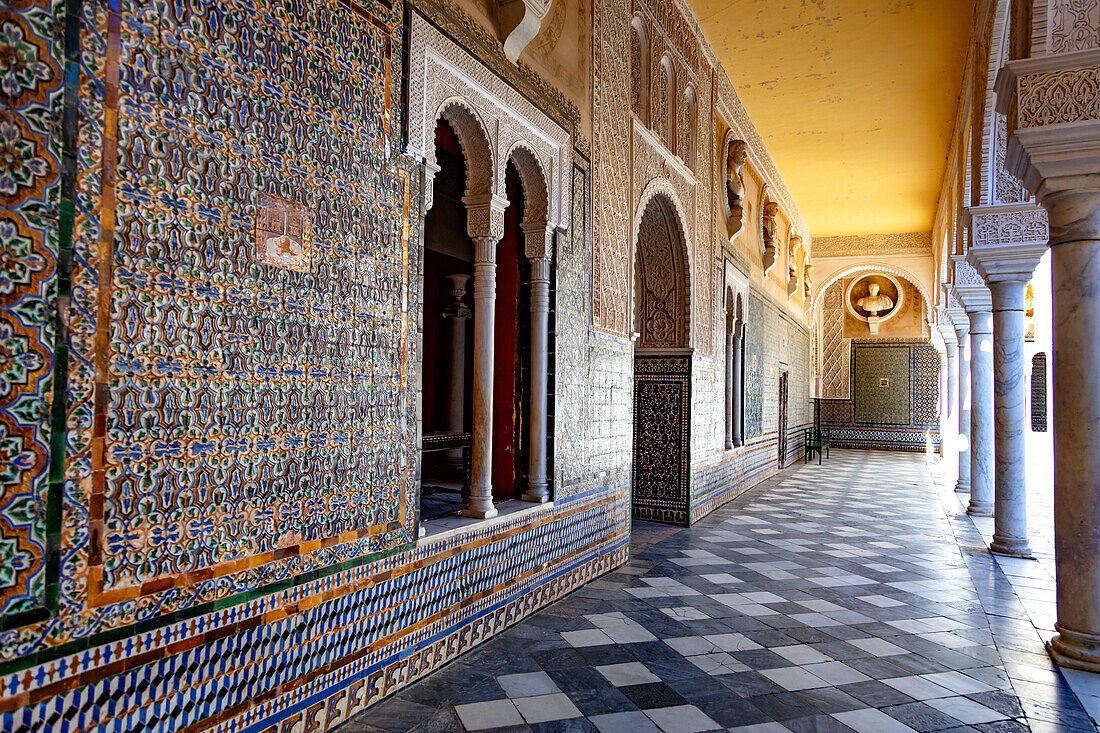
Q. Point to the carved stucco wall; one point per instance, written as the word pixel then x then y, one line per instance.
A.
pixel 836 351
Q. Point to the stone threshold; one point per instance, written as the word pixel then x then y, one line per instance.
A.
pixel 440 528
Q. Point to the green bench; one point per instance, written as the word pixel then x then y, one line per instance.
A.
pixel 817 439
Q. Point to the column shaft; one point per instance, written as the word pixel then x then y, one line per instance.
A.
pixel 730 382
pixel 963 484
pixel 481 459
pixel 1010 508
pixel 540 322
pixel 1075 271
pixel 738 386
pixel 981 413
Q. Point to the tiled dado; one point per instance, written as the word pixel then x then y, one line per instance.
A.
pixel 353 638
pixel 734 474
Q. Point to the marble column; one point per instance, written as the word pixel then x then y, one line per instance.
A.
pixel 981 410
pixel 738 383
pixel 456 314
pixel 730 382
pixel 950 402
pixel 481 458
pixel 537 490
pixel 1010 414
pixel 1075 272
pixel 1053 149
pixel 1007 264
pixel 962 333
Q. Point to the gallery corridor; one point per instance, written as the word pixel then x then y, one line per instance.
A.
pixel 855 595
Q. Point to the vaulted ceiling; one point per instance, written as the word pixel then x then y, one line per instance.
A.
pixel 854 99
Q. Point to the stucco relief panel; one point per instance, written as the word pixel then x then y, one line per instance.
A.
pixel 1073 25
pixel 441 73
pixel 611 156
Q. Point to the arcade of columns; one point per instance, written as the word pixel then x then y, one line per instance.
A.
pixel 1053 148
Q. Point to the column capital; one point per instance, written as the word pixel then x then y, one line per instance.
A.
pixel 1008 241
pixel 538 240
pixel 969 288
pixel 485 216
pixel 1054 119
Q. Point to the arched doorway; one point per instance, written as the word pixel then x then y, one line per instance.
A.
pixel 447 353
pixel 662 367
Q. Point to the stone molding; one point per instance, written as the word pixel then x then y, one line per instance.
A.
pixel 521 21
pixel 442 74
pixel 904 243
pixel 1007 262
pixel 1008 224
pixel 969 287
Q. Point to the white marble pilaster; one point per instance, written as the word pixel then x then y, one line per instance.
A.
pixel 481 455
pixel 456 314
pixel 1055 150
pixel 729 385
pixel 738 383
pixel 485 225
pixel 1075 272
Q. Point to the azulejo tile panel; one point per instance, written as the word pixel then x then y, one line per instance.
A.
pixel 662 438
pixel 881 383
pixel 31 89
pixel 383 625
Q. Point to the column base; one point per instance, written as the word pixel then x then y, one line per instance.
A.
pixel 537 498
pixel 963 487
pixel 479 511
pixel 980 509
pixel 1075 649
pixel 1011 547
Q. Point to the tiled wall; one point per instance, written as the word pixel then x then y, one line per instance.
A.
pixel 233 437
pixel 900 413
pixel 776 343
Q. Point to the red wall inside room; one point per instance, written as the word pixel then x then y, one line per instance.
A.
pixel 506 346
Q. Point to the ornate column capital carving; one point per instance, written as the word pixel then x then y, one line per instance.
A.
pixel 538 241
pixel 1007 241
pixel 485 217
pixel 1053 107
pixel 969 288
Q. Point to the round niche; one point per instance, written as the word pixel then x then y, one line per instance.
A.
pixel 874 297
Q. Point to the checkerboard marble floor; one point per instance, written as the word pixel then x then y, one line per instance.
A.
pixel 846 596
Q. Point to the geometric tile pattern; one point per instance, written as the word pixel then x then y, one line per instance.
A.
pixel 881 384
pixel 913 374
pixel 662 438
pixel 1039 393
pixel 926 388
pixel 383 626
pixel 809 603
pixel 31 90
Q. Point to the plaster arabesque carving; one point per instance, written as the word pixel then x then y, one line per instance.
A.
pixel 443 76
pixel 1061 96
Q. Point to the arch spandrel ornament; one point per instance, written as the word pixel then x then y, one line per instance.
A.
pixel 443 75
pixel 662 292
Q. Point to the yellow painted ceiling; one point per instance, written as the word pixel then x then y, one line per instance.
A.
pixel 855 100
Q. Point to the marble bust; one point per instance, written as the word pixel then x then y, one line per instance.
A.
pixel 875 301
pixel 736 156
